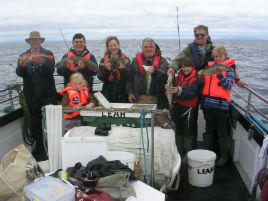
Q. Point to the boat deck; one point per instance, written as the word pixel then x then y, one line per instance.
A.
pixel 227 185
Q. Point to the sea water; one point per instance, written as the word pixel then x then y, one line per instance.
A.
pixel 251 59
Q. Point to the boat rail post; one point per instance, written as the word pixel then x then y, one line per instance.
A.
pixel 11 99
pixel 152 154
pixel 249 102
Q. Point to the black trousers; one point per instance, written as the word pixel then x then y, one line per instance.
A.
pixel 217 122
pixel 35 104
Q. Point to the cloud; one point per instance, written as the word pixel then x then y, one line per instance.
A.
pixel 131 19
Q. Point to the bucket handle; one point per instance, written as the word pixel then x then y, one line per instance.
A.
pixel 203 163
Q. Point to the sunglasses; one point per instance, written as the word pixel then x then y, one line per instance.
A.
pixel 199 34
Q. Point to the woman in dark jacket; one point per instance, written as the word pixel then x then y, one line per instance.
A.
pixel 113 71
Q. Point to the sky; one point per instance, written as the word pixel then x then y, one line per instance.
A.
pixel 127 19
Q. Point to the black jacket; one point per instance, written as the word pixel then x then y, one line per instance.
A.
pixel 38 80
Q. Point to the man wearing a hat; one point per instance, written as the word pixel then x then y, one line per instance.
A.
pixel 36 67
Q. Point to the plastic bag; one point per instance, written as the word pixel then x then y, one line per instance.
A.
pixel 17 169
pixel 92 195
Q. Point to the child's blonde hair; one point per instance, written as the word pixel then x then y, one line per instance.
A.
pixel 78 77
pixel 219 50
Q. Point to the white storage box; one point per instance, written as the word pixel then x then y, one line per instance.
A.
pixel 81 145
pixel 49 188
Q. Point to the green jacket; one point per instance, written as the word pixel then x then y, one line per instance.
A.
pixel 176 63
pixel 137 83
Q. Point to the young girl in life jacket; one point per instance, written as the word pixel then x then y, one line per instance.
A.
pixel 185 98
pixel 76 94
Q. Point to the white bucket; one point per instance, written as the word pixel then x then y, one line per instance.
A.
pixel 201 165
pixel 126 158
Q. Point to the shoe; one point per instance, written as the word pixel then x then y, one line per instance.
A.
pixel 224 148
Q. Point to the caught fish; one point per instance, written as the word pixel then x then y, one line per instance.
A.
pixel 148 78
pixel 209 70
pixel 90 64
pixel 28 57
pixel 170 82
pixel 115 62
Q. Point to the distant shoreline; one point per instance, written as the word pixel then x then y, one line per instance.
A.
pixel 238 38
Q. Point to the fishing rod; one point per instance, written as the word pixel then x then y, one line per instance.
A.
pixel 64 39
pixel 178 29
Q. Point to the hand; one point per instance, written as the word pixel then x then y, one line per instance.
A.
pixel 173 90
pixel 90 105
pixel 122 66
pixel 38 61
pixel 107 66
pixel 23 62
pixel 69 63
pixel 81 65
pixel 200 73
pixel 218 71
pixel 150 69
pixel 170 71
pixel 131 98
pixel 241 83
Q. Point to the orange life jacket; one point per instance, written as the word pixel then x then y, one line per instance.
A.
pixel 180 81
pixel 72 54
pixel 211 83
pixel 76 98
pixel 106 58
pixel 156 62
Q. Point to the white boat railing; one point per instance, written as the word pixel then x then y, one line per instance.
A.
pixel 249 105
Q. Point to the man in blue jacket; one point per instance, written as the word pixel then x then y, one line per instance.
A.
pixel 79 49
pixel 36 67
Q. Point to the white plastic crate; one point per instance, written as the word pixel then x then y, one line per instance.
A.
pixel 81 145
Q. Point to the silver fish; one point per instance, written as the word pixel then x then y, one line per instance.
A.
pixel 210 70
pixel 90 64
pixel 169 95
pixel 148 78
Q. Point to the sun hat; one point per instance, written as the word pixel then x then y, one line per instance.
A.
pixel 35 35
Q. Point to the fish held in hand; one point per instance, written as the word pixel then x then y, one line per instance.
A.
pixel 115 62
pixel 210 70
pixel 28 57
pixel 148 78
pixel 170 83
pixel 90 64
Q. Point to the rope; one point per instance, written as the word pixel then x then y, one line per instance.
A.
pixel 142 117
pixel 27 131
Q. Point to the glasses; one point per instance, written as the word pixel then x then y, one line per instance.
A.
pixel 199 34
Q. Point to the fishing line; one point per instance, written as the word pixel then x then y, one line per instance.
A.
pixel 178 29
pixel 64 39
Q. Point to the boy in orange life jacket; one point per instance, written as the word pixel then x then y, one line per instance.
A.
pixel 215 102
pixel 184 105
pixel 76 94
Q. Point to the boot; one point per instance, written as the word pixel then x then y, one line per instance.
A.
pixel 188 143
pixel 223 146
pixel 179 144
pixel 208 141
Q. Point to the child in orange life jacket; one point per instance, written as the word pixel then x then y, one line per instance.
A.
pixel 76 94
pixel 185 100
pixel 215 103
